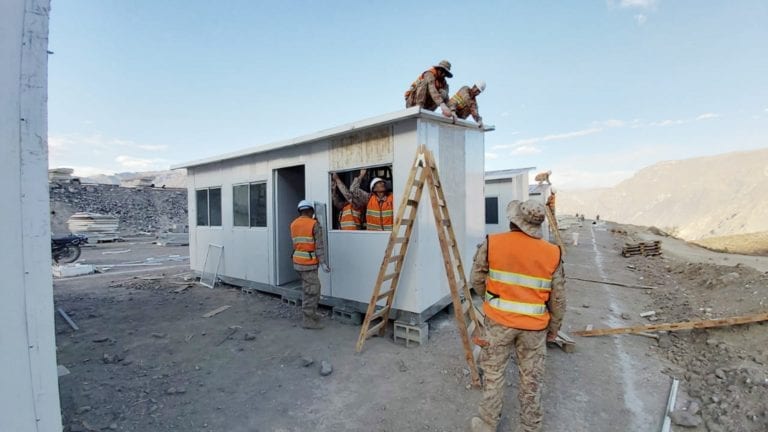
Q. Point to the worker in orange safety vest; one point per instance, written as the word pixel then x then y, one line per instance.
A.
pixel 308 255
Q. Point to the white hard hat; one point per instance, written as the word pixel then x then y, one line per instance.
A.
pixel 374 181
pixel 480 85
pixel 304 204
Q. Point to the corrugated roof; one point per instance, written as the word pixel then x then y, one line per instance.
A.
pixel 333 132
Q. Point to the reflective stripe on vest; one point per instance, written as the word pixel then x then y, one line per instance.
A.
pixel 520 279
pixel 515 307
pixel 349 219
pixel 302 235
pixel 460 102
pixel 379 214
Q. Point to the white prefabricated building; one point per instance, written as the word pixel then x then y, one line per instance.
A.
pixel 501 187
pixel 251 196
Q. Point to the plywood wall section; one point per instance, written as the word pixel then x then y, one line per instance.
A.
pixel 360 149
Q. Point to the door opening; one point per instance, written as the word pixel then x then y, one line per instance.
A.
pixel 288 191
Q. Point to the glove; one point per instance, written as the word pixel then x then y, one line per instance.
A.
pixel 480 124
pixel 446 111
pixel 326 268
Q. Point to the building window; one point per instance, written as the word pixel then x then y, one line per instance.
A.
pixel 249 204
pixel 343 195
pixel 491 210
pixel 208 206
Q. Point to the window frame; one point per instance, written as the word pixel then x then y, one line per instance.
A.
pixel 331 209
pixel 207 190
pixel 249 184
pixel 498 218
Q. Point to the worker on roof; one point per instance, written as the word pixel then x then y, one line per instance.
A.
pixel 350 213
pixel 430 90
pixel 464 102
pixel 379 210
pixel 521 278
pixel 308 254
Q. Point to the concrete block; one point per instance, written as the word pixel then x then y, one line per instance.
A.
pixel 345 316
pixel 410 334
pixel 70 270
pixel 292 301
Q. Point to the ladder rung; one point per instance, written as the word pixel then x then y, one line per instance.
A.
pixel 393 259
pixel 380 313
pixel 446 222
pixel 417 183
pixel 476 353
pixel 390 276
pixel 471 329
pixel 382 295
pixel 399 240
pixel 405 221
pixel 372 330
pixel 465 307
pixel 413 203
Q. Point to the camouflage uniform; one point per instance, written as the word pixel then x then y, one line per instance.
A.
pixel 528 346
pixel 463 104
pixel 310 280
pixel 424 92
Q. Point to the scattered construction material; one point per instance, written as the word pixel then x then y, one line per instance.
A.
pixel 116 252
pixel 61 371
pixel 173 239
pixel 72 270
pixel 610 283
pixel 97 227
pixel 182 289
pixel 210 273
pixel 232 331
pixel 647 314
pixel 687 325
pixel 424 172
pixel 68 319
pixel 665 427
pixel 565 342
pixel 216 311
pixel 642 248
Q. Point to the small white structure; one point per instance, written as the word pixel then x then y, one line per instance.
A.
pixel 29 390
pixel 501 187
pixel 245 201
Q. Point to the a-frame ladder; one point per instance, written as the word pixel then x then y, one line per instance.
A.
pixel 424 173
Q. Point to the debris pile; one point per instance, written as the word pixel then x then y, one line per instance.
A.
pixel 95 226
pixel 145 210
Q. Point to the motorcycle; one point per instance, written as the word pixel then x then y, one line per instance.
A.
pixel 66 249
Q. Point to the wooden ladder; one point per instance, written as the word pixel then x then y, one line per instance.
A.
pixel 424 172
pixel 555 230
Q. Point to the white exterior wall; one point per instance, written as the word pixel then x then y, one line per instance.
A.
pixel 355 257
pixel 29 393
pixel 514 188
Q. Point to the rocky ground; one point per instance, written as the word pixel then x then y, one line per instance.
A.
pixel 139 210
pixel 724 371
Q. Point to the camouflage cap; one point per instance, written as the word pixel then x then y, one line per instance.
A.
pixel 446 66
pixel 528 216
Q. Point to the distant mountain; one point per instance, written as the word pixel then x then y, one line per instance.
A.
pixel 693 199
pixel 171 179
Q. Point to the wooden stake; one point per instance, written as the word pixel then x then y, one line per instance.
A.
pixel 216 311
pixel 687 325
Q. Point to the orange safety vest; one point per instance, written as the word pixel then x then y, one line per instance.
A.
pixel 519 280
pixel 302 233
pixel 379 216
pixel 439 83
pixel 349 218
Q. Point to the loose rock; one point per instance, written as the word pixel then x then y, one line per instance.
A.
pixel 249 336
pixel 326 368
pixel 307 361
pixel 684 419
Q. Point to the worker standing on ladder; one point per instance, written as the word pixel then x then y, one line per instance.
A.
pixel 521 278
pixel 430 90
pixel 464 102
pixel 379 212
pixel 308 254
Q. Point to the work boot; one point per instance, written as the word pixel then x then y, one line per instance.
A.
pixel 479 425
pixel 312 324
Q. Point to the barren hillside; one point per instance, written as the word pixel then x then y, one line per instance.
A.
pixel 694 199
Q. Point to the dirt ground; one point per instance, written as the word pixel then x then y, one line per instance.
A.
pixel 145 359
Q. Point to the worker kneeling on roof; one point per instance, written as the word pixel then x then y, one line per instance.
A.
pixel 430 90
pixel 308 254
pixel 464 102
pixel 522 280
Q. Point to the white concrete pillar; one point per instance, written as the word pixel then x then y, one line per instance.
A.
pixel 29 393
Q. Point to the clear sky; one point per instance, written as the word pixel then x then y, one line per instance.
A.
pixel 592 90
